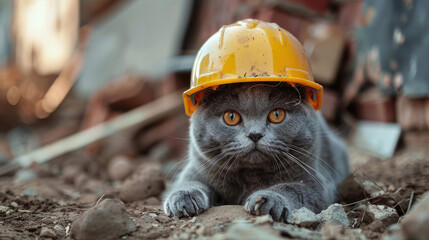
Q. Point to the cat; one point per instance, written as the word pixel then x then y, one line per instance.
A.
pixel 269 167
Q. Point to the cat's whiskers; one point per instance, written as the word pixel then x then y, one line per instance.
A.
pixel 224 177
pixel 305 167
pixel 283 165
pixel 191 158
pixel 211 162
pixel 220 168
pixel 311 155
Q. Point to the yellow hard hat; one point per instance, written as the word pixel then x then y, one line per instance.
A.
pixel 250 51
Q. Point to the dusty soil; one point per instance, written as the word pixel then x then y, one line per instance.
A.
pixel 46 207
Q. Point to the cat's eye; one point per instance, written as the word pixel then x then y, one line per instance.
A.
pixel 277 115
pixel 231 118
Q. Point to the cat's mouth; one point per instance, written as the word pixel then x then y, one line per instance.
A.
pixel 256 150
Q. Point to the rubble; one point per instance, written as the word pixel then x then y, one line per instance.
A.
pixel 414 224
pixel 79 150
pixel 335 213
pixel 47 233
pixel 384 213
pixel 107 220
pixel 304 218
pixel 147 181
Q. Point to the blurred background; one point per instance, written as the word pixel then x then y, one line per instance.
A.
pixel 93 86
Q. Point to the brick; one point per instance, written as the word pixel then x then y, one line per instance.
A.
pixel 373 106
pixel 413 113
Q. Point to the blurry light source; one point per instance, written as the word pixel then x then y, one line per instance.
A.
pixel 13 95
pixel 45 33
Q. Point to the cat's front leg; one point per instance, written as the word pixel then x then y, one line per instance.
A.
pixel 279 200
pixel 187 199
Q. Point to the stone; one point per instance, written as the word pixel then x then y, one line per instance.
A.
pixel 335 213
pixel 147 181
pixel 120 168
pixel 350 190
pixel 373 189
pixel 415 224
pixel 47 233
pixel 107 220
pixel 386 214
pixel 303 217
pixel 4 209
pixel 59 228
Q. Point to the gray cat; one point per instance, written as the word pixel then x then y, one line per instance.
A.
pixel 262 146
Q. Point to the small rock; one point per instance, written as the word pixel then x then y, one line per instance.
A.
pixel 147 181
pixel 374 189
pixel 25 175
pixel 350 190
pixel 335 213
pixel 59 228
pixel 4 209
pixel 107 220
pixel 119 168
pixel 194 219
pixel 303 217
pixel 14 204
pixel 162 219
pixel 47 233
pixel 391 188
pixel 386 214
pixel 414 224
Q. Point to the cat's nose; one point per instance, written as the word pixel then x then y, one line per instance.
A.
pixel 255 136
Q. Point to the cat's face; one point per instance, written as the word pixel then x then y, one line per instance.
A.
pixel 252 122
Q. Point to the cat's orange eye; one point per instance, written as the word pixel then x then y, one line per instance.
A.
pixel 277 115
pixel 231 118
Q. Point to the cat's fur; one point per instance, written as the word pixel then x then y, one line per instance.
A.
pixel 297 163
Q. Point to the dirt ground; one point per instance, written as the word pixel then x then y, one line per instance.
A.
pixel 45 207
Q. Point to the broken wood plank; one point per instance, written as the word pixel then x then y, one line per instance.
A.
pixel 139 117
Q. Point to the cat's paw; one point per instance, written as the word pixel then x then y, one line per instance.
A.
pixel 186 203
pixel 264 202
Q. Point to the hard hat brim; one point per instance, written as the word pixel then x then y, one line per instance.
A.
pixel 314 94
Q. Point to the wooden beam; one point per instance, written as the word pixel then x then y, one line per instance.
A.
pixel 137 118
